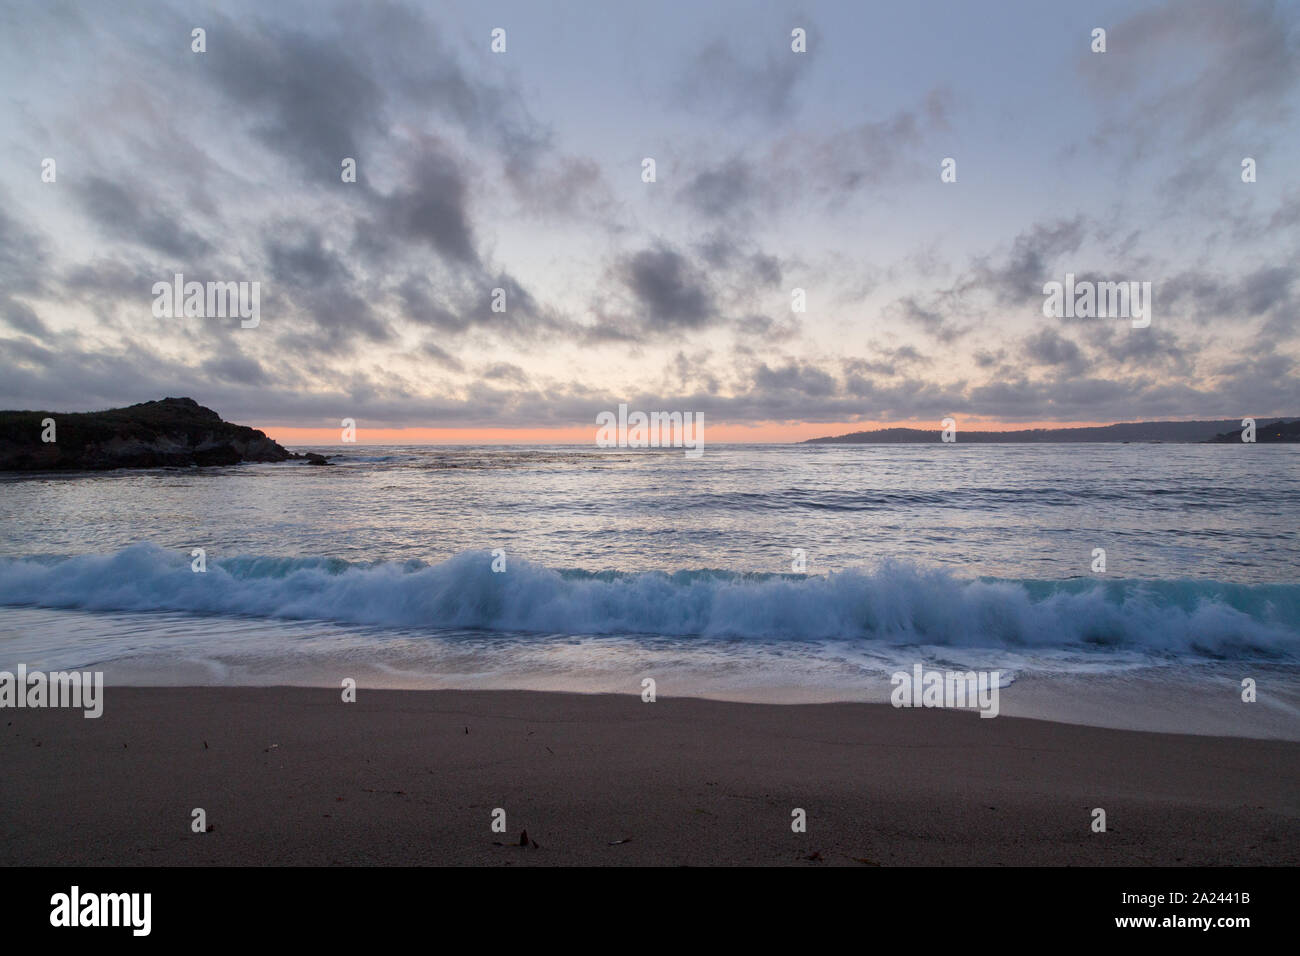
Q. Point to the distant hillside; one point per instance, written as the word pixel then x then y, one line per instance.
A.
pixel 1201 431
pixel 1278 431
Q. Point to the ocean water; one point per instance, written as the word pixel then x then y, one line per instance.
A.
pixel 626 564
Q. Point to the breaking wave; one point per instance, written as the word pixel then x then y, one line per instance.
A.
pixel 892 603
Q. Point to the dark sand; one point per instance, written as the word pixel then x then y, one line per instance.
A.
pixel 295 776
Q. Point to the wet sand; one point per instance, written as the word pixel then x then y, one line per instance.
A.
pixel 296 776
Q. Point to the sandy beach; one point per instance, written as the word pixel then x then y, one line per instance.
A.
pixel 296 776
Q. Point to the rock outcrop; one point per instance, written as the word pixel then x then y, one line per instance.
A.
pixel 174 432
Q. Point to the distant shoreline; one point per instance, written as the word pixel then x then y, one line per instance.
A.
pixel 1223 431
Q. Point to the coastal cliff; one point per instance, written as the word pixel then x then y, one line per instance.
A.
pixel 173 432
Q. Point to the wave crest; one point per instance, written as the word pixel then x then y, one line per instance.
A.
pixel 892 603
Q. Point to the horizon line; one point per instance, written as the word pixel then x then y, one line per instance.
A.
pixel 765 433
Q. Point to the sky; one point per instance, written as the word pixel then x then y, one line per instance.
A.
pixel 523 171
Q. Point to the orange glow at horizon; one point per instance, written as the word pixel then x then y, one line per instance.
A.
pixel 759 433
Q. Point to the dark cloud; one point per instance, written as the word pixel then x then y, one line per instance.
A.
pixel 130 212
pixel 1287 214
pixel 723 252
pixel 423 303
pixel 670 292
pixel 236 369
pixel 1146 350
pixel 722 190
pixel 795 377
pixel 887 362
pixel 23 258
pixel 461 303
pixel 20 317
pixel 765 329
pixel 1032 261
pixel 432 208
pixel 312 301
pixel 413 57
pixel 766 269
pixel 1259 384
pixel 1049 347
pixel 306 97
pixel 1268 291
pixel 930 320
pixel 504 372
pixel 298 257
pixel 22 251
pixel 316 97
pixel 440 356
pixel 109 281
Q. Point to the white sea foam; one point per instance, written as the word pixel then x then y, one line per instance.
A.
pixel 892 603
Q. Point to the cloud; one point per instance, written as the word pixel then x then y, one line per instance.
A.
pixel 23 254
pixel 297 255
pixel 720 191
pixel 795 377
pixel 430 207
pixel 832 166
pixel 668 290
pixel 872 152
pixel 306 97
pixel 506 372
pixel 1049 347
pixel 1031 262
pixel 1267 292
pixel 128 212
pixel 236 369
pixel 439 355
pixel 377 295
pixel 20 317
pixel 722 82
pixel 930 320
pixel 1192 69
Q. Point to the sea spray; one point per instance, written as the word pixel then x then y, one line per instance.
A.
pixel 893 602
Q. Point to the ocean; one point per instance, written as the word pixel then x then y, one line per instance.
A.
pixel 755 572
